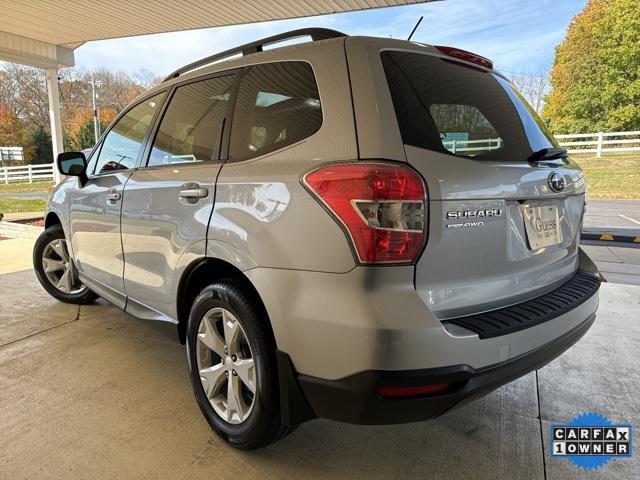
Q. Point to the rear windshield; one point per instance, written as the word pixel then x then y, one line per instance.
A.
pixel 451 108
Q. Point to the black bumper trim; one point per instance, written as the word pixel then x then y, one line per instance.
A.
pixel 532 312
pixel 354 399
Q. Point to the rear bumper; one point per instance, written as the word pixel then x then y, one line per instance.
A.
pixel 334 326
pixel 355 399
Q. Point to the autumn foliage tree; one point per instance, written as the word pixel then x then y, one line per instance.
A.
pixel 596 75
pixel 13 133
pixel 24 118
pixel 81 130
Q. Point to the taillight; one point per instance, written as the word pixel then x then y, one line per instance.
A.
pixel 382 206
pixel 466 56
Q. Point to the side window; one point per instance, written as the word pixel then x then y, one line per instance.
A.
pixel 91 163
pixel 278 104
pixel 123 143
pixel 192 124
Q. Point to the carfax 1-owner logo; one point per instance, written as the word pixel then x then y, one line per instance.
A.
pixel 591 441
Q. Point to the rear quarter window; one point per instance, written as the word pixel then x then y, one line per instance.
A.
pixel 455 109
pixel 277 104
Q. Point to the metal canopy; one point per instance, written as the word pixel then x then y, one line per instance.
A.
pixel 43 33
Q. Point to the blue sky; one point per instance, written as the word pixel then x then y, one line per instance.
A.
pixel 518 35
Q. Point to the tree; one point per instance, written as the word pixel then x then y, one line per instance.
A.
pixel 85 136
pixel 533 86
pixel 41 140
pixel 596 74
pixel 81 128
pixel 146 78
pixel 24 91
pixel 25 107
pixel 13 133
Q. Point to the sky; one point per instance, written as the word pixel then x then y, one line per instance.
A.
pixel 518 35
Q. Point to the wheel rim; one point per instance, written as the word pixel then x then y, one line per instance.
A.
pixel 226 365
pixel 58 267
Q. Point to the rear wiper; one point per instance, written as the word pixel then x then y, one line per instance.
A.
pixel 547 154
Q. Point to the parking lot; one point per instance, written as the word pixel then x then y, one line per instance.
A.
pixel 91 392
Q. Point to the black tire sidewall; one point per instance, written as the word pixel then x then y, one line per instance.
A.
pixel 252 432
pixel 55 233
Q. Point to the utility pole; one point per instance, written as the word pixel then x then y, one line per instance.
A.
pixel 53 93
pixel 96 116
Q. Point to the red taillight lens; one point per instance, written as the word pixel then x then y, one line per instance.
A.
pixel 382 206
pixel 398 392
pixel 466 56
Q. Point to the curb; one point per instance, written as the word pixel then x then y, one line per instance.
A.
pixel 18 230
pixel 610 237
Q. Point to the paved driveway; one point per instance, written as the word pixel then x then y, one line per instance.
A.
pixel 90 392
pixel 613 214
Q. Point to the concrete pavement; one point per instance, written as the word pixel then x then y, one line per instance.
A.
pixel 618 262
pixel 612 214
pixel 15 255
pixel 90 392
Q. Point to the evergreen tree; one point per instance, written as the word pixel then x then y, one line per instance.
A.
pixel 41 139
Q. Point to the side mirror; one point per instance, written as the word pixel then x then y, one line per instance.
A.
pixel 73 164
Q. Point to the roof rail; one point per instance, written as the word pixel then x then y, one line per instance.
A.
pixel 257 46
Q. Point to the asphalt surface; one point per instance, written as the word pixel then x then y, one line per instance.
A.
pixel 613 214
pixel 91 392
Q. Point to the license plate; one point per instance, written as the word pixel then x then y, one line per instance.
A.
pixel 542 225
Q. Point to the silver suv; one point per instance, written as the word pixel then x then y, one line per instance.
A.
pixel 361 229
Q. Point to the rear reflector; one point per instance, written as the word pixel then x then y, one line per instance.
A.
pixel 382 206
pixel 396 392
pixel 466 56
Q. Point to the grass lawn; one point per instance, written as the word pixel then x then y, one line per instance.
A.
pixel 611 176
pixel 36 186
pixel 17 205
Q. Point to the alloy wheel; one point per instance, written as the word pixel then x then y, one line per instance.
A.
pixel 226 365
pixel 59 269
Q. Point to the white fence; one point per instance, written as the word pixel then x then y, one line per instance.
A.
pixel 600 142
pixel 457 146
pixel 10 154
pixel 27 173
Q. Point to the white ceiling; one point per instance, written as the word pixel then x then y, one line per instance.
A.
pixel 47 31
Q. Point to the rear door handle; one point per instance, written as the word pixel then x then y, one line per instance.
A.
pixel 114 196
pixel 194 193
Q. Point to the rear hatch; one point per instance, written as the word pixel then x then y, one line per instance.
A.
pixel 503 228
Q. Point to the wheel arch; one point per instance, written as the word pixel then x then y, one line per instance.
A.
pixel 52 219
pixel 201 273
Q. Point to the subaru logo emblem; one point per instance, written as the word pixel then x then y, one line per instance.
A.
pixel 556 182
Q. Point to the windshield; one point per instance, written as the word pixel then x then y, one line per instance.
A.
pixel 444 106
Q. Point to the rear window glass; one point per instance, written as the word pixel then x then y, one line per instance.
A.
pixel 451 108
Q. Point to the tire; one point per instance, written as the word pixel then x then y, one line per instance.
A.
pixel 73 292
pixel 227 302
